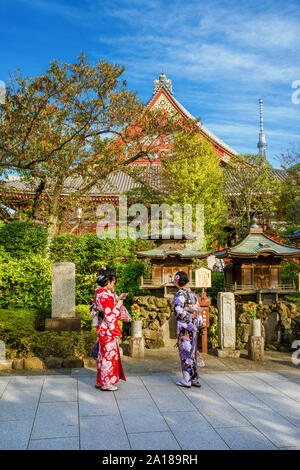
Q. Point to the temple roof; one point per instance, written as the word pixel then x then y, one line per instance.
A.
pixel 171 232
pixel 163 85
pixel 257 243
pixel 184 253
pixel 120 182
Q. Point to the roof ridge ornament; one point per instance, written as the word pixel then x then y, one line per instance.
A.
pixel 254 227
pixel 162 82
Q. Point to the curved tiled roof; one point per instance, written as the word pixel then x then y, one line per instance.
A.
pixel 258 243
pixel 120 182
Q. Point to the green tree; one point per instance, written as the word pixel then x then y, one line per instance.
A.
pixel 252 190
pixel 56 135
pixel 288 208
pixel 192 174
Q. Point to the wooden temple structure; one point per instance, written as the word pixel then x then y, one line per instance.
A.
pixel 253 266
pixel 169 256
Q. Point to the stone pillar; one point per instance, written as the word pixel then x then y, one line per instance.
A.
pixel 226 325
pixel 136 343
pixel 63 299
pixel 256 343
pixel 256 346
pixel 4 363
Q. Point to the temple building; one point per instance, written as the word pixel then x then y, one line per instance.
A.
pixel 170 255
pixel 253 266
pixel 18 192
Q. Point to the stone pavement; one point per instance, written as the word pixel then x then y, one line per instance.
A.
pixel 232 410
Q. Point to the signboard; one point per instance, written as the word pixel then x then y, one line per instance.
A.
pixel 205 316
pixel 203 277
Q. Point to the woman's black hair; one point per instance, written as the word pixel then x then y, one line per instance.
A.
pixel 106 275
pixel 183 278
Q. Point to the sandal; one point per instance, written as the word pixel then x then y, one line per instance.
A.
pixel 196 384
pixel 183 384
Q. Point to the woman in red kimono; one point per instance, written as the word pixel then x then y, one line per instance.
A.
pixel 109 366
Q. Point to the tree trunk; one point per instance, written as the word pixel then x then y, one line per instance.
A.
pixel 53 213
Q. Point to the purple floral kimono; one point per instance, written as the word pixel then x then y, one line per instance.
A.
pixel 187 329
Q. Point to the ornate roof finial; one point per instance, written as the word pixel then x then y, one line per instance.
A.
pixel 162 82
pixel 262 144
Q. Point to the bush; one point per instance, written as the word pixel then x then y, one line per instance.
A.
pixel 89 252
pixel 17 330
pixel 23 238
pixel 86 318
pixel 25 282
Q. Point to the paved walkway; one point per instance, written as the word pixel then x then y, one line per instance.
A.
pixel 232 410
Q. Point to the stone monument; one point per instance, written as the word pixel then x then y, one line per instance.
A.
pixel 226 325
pixel 63 316
pixel 136 343
pixel 256 342
pixel 4 363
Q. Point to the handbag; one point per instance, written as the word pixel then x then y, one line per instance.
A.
pixel 95 351
pixel 124 314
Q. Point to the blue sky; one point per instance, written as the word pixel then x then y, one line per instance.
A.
pixel 221 56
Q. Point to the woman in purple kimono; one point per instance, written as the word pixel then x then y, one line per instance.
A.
pixel 189 320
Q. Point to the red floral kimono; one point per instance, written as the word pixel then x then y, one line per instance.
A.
pixel 109 367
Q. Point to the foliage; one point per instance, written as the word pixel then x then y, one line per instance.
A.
pixel 289 270
pixel 252 310
pixel 56 133
pixel 135 312
pixel 192 175
pixel 288 208
pixel 17 330
pixel 217 285
pixel 89 252
pixel 86 318
pixel 212 331
pixel 23 238
pixel 256 190
pixel 25 282
pixel 129 277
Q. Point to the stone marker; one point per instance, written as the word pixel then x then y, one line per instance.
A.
pixel 256 345
pixel 63 316
pixel 136 343
pixel 226 325
pixel 2 351
pixel 273 332
pixel 256 342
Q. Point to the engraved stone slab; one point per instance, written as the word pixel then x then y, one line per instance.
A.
pixel 63 290
pixel 226 323
pixel 2 351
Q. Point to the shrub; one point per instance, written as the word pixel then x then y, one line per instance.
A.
pixel 25 282
pixel 23 238
pixel 86 318
pixel 23 340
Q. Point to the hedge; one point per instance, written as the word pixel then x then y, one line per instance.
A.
pixel 23 238
pixel 17 330
pixel 25 282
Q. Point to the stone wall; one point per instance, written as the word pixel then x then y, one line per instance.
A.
pixel 159 324
pixel 280 324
